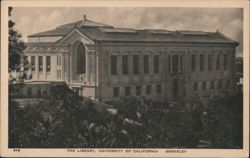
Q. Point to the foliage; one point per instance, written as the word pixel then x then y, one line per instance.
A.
pixel 67 120
pixel 223 121
pixel 16 46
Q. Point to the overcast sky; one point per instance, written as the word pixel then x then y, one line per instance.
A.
pixel 228 21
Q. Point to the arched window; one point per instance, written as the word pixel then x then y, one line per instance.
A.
pixel 81 59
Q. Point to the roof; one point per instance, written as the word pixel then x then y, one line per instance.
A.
pixel 106 33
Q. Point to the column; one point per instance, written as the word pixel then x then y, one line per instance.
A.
pixel 88 66
pixel 97 68
pixel 44 67
pixel 70 67
pixel 62 66
pixel 36 67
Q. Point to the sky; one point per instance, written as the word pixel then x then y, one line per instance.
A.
pixel 228 21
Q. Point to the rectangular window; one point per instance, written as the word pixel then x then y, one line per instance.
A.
pixel 204 85
pixel 59 74
pixel 127 91
pixel 58 59
pixel 227 83
pixel 138 90
pixel 220 84
pixel 181 63
pixel 225 61
pixel 175 63
pixel 114 64
pixel 136 64
pixel 29 91
pixel 158 89
pixel 40 63
pixel 169 63
pixel 212 85
pixel 210 58
pixel 201 62
pixel 125 64
pixel 193 62
pixel 156 64
pixel 195 86
pixel 33 63
pixel 48 63
pixel 148 89
pixel 116 91
pixel 218 62
pixel 146 64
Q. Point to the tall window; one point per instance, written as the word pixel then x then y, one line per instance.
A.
pixel 156 64
pixel 114 64
pixel 136 64
pixel 204 85
pixel 81 59
pixel 48 63
pixel 58 60
pixel 210 58
pixel 33 63
pixel 138 90
pixel 218 62
pixel 201 62
pixel 220 84
pixel 225 61
pixel 212 85
pixel 193 62
pixel 116 91
pixel 175 63
pixel 148 89
pixel 40 63
pixel 195 86
pixel 227 83
pixel 158 89
pixel 127 91
pixel 125 64
pixel 146 64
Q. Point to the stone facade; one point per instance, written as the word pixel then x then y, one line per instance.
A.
pixel 127 63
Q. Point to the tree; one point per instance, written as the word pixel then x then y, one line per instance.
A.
pixel 16 45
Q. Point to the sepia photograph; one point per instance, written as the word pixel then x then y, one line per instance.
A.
pixel 125 79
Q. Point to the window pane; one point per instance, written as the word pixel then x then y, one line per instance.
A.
pixel 116 92
pixel 33 63
pixel 193 62
pixel 212 85
pixel 210 58
pixel 81 59
pixel 220 84
pixel 113 64
pixel 195 86
pixel 204 85
pixel 175 63
pixel 158 89
pixel 135 64
pixel 225 62
pixel 40 63
pixel 218 62
pixel 138 90
pixel 146 64
pixel 127 91
pixel 201 62
pixel 148 89
pixel 156 64
pixel 48 63
pixel 125 64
